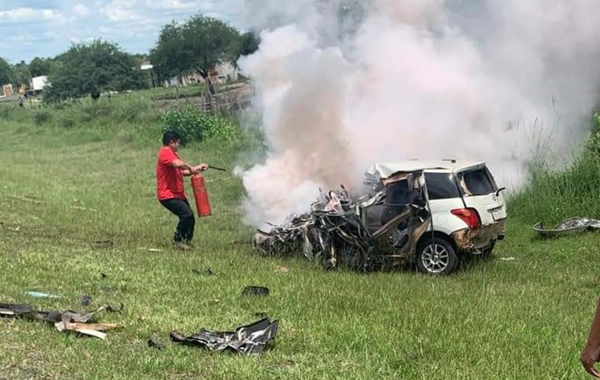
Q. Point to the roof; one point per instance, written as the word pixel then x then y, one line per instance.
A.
pixel 387 169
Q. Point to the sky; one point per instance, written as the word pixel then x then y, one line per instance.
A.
pixel 46 28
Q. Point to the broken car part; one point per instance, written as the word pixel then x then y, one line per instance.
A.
pixel 63 321
pixel 250 339
pixel 569 226
pixel 86 301
pixel 255 291
pixel 381 227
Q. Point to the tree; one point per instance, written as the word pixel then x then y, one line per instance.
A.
pixel 21 76
pixel 40 66
pixel 197 45
pixel 167 57
pixel 91 69
pixel 6 72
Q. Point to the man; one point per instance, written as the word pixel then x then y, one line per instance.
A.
pixel 170 170
pixel 591 351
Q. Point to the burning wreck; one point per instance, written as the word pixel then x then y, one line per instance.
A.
pixel 392 225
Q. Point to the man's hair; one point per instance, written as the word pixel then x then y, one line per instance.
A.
pixel 170 136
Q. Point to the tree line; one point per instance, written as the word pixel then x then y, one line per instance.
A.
pixel 98 66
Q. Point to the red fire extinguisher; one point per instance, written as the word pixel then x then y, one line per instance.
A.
pixel 200 195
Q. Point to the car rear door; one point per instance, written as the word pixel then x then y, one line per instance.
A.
pixel 481 193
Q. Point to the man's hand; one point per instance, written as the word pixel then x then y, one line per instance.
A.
pixel 199 168
pixel 589 357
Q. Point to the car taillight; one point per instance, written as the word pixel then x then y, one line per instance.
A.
pixel 469 216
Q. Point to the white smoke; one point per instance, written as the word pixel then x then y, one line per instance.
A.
pixel 343 84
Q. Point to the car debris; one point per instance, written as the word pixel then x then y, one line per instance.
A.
pixel 86 301
pixel 63 321
pixel 249 339
pixel 155 342
pixel 102 244
pixel 358 233
pixel 568 226
pixel 41 295
pixel 207 272
pixel 260 291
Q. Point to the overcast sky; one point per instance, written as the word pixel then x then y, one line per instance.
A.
pixel 45 28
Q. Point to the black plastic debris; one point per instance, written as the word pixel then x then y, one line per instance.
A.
pixel 103 276
pixel 206 272
pixel 86 301
pixel 250 339
pixel 102 244
pixel 259 291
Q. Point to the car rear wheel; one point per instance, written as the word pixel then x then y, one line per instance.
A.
pixel 436 257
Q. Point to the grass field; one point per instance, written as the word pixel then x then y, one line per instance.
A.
pixel 523 314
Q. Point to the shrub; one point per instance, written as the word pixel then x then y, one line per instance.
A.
pixel 194 125
pixel 42 116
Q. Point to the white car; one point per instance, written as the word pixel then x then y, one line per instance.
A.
pixel 468 210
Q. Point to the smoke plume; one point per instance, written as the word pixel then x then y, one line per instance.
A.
pixel 342 84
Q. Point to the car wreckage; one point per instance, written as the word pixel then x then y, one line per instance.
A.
pixel 391 223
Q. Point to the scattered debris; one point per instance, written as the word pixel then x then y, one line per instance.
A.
pixel 507 259
pixel 41 295
pixel 27 198
pixel 569 226
pixel 103 276
pixel 106 289
pixel 84 208
pixel 155 250
pixel 102 244
pixel 63 321
pixel 16 229
pixel 250 339
pixel 206 272
pixel 155 342
pixel 255 291
pixel 281 269
pixel 86 301
pixel 382 226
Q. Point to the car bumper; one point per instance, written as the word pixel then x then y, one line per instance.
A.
pixel 473 241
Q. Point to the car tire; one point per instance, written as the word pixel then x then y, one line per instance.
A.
pixel 436 256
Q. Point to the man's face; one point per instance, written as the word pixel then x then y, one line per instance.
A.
pixel 174 145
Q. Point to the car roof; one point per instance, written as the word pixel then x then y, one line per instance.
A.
pixel 386 169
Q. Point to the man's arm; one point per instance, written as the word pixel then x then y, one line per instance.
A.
pixel 591 351
pixel 181 165
pixel 188 170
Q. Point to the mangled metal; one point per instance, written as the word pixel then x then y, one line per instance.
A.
pixel 568 226
pixel 381 227
pixel 62 321
pixel 250 339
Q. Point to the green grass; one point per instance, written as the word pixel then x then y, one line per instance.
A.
pixel 522 319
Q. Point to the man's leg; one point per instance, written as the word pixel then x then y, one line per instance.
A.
pixel 185 227
pixel 187 224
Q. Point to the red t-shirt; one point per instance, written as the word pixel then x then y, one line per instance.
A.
pixel 169 180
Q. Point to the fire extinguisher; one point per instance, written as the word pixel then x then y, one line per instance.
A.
pixel 200 195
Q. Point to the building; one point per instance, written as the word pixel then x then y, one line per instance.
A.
pixel 7 91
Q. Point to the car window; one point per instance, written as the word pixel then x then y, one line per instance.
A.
pixel 441 186
pixel 397 193
pixel 478 182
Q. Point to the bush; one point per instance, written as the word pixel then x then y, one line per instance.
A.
pixel 194 125
pixel 42 117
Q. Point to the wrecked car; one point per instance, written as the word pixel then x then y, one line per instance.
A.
pixel 415 212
